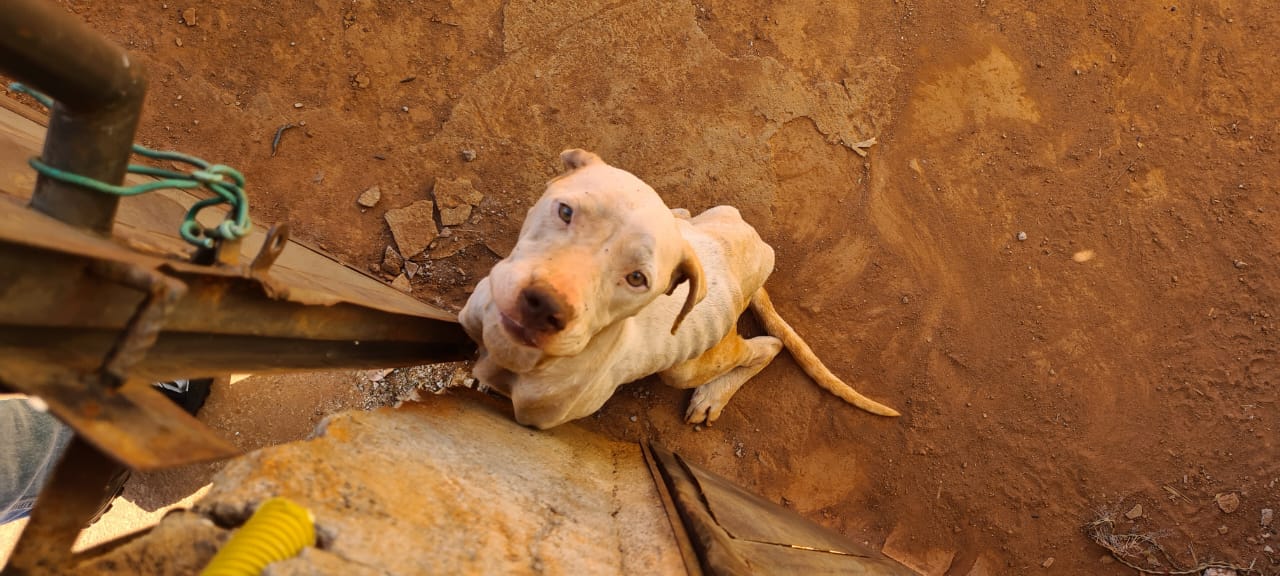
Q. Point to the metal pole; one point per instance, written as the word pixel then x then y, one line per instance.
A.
pixel 98 91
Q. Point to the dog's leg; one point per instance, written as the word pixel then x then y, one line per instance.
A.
pixel 709 399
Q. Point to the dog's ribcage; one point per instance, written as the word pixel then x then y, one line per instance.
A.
pixel 647 345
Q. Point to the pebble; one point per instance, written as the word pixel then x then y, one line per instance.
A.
pixel 1227 502
pixel 1134 513
pixel 633 418
pixel 1047 562
pixel 189 16
pixel 401 283
pixel 178 41
pixel 412 268
pixel 369 198
pixel 1240 264
pixel 1022 236
pixel 1267 516
pixel 392 262
pixel 469 155
pixel 1222 529
pixel 404 108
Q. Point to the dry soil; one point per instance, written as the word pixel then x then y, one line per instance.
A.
pixel 1059 260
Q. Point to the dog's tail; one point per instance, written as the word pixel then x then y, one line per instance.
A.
pixel 809 362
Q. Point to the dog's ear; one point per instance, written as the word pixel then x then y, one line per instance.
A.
pixel 577 158
pixel 690 268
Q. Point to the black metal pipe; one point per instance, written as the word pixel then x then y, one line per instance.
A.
pixel 98 91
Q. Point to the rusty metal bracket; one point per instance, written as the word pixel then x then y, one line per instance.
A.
pixel 272 246
pixel 161 295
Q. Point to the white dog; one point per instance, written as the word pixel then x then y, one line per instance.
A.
pixel 606 285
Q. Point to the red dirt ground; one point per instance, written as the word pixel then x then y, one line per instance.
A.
pixel 1125 352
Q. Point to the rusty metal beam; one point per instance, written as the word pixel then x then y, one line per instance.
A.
pixel 74 306
pixel 98 92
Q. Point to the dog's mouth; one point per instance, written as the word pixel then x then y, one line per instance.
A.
pixel 521 334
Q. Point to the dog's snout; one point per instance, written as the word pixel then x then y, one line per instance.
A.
pixel 542 310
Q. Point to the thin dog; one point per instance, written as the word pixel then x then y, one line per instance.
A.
pixel 606 285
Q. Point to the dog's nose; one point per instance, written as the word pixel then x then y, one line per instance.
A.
pixel 542 310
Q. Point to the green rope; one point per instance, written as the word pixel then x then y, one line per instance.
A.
pixel 226 183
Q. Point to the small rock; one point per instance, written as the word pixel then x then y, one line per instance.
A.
pixel 1022 236
pixel 1228 502
pixel 318 178
pixel 189 16
pixel 454 216
pixel 361 80
pixel 412 268
pixel 178 42
pixel 1252 540
pixel 1215 571
pixel 633 418
pixel 1268 550
pixel 1222 529
pixel 413 227
pixel 469 155
pixel 401 283
pixel 1047 562
pixel 369 198
pixel 392 262
pixel 1240 264
pixel 1083 256
pixel 1267 516
pixel 1134 513
pixel 455 199
pixel 1106 559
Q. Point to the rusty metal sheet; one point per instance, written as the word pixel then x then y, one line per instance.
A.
pixel 736 532
pixel 749 517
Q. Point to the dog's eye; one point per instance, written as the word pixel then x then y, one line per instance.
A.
pixel 566 212
pixel 637 279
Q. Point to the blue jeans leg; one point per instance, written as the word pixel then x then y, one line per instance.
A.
pixel 31 443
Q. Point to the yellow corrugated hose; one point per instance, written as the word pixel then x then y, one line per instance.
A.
pixel 278 530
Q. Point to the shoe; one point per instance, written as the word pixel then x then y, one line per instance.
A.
pixel 190 395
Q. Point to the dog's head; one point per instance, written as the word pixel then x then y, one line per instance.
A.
pixel 597 247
